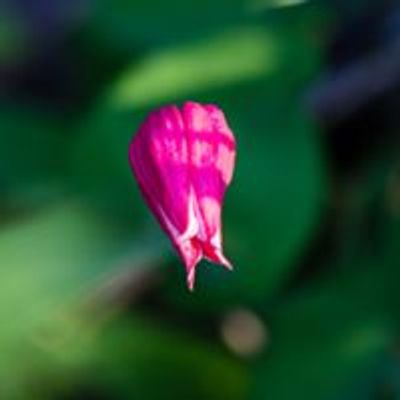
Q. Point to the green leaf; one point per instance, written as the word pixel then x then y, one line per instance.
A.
pixel 49 262
pixel 32 149
pixel 197 67
pixel 126 24
pixel 321 343
pixel 145 360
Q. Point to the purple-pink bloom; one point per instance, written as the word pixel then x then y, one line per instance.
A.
pixel 183 160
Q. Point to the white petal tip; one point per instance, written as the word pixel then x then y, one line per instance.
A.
pixel 191 279
pixel 228 265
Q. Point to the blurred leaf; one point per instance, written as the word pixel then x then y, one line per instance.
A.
pixel 144 360
pixel 32 149
pixel 49 262
pixel 126 23
pixel 320 343
pixel 369 224
pixel 212 63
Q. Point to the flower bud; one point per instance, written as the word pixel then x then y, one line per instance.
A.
pixel 183 160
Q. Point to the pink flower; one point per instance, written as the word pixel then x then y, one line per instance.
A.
pixel 183 160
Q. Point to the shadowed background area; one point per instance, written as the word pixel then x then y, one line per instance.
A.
pixel 93 302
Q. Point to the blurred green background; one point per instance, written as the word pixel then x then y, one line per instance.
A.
pixel 93 303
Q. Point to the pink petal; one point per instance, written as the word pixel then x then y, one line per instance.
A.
pixel 159 159
pixel 212 158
